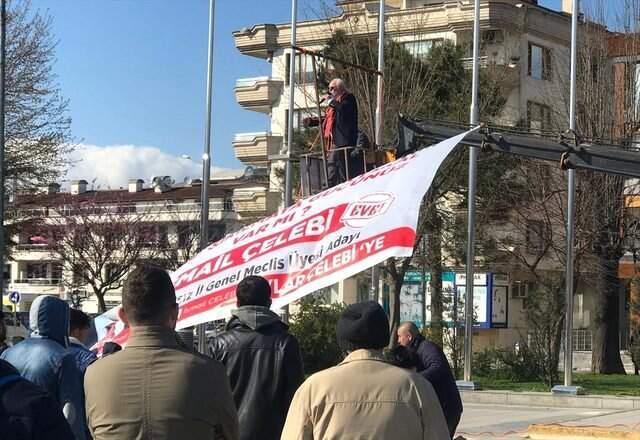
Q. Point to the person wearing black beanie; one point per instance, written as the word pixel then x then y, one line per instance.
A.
pixel 363 325
pixel 365 396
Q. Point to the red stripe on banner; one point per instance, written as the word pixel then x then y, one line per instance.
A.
pixel 286 283
pixel 309 230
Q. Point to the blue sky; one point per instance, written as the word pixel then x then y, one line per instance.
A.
pixel 134 71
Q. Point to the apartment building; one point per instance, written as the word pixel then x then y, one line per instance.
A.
pixel 170 214
pixel 531 40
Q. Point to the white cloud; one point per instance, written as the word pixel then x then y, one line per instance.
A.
pixel 113 165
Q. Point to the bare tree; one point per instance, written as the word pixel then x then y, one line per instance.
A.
pixel 37 122
pixel 99 241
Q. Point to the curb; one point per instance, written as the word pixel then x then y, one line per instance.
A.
pixel 550 400
pixel 551 432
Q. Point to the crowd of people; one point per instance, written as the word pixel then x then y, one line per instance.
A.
pixel 250 386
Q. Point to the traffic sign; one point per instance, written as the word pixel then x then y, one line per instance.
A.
pixel 14 297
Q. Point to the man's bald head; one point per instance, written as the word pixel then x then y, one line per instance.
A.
pixel 407 332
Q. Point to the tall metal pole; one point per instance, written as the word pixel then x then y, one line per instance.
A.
pixel 471 219
pixel 375 287
pixel 206 162
pixel 571 190
pixel 292 89
pixel 288 169
pixel 380 83
pixel 3 32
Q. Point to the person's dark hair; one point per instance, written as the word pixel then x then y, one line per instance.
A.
pixel 253 291
pixel 78 320
pixel 110 348
pixel 148 295
pixel 402 357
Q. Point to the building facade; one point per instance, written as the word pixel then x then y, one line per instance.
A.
pixel 167 214
pixel 529 39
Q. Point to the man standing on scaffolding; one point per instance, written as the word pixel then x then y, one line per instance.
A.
pixel 340 130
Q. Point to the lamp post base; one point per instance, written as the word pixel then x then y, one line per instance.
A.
pixel 464 385
pixel 561 390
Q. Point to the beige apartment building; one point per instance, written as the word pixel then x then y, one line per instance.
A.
pixel 170 214
pixel 531 40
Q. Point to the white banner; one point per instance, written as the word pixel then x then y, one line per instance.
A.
pixel 315 243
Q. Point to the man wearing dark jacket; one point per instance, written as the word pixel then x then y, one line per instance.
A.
pixel 27 412
pixel 434 366
pixel 341 130
pixel 262 359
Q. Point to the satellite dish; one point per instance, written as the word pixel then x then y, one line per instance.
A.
pixel 187 180
pixel 167 180
pixel 249 171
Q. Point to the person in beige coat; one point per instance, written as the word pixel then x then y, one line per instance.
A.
pixel 364 397
pixel 155 388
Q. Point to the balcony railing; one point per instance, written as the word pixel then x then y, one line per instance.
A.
pixel 260 41
pixel 39 281
pixel 255 148
pixel 258 94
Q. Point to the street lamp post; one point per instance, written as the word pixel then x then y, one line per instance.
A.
pixel 568 388
pixel 206 162
pixel 471 210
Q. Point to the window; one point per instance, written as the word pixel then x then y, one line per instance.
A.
pixel 216 231
pixel 163 235
pixel 538 117
pixel 297 119
pixel 80 278
pixel 519 289
pixel 421 48
pixel 56 272
pixel 582 340
pixel 539 62
pixel 536 235
pixel 112 271
pixel 287 67
pixel 36 270
pixel 304 69
pixel 187 235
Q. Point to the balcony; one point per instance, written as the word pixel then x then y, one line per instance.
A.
pixel 255 202
pixel 260 41
pixel 255 148
pixel 37 286
pixel 39 281
pixel 258 94
pixel 483 61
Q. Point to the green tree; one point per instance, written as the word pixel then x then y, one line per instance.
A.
pixel 314 325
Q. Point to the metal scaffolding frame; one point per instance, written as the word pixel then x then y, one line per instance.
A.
pixel 566 149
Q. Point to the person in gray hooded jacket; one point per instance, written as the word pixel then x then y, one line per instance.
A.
pixel 44 359
pixel 263 362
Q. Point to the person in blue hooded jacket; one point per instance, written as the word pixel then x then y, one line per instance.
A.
pixel 44 359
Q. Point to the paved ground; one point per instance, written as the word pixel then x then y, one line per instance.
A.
pixel 480 421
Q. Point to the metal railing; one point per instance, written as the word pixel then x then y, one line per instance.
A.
pixel 312 176
pixel 39 281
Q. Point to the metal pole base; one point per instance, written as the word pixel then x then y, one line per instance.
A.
pixel 467 385
pixel 561 390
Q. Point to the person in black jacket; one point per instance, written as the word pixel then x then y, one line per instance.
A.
pixel 263 362
pixel 27 412
pixel 434 366
pixel 341 130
